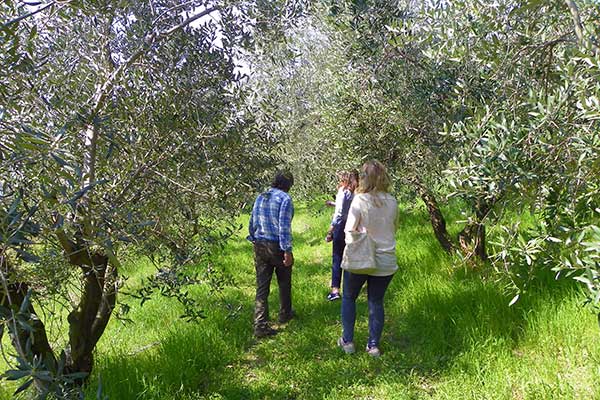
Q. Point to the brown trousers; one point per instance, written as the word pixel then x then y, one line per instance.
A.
pixel 268 257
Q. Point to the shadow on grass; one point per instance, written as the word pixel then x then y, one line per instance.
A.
pixel 431 319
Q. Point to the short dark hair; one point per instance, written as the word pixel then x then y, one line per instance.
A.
pixel 283 180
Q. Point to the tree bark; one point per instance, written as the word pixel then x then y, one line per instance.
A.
pixel 472 240
pixel 13 298
pixel 472 237
pixel 81 320
pixel 89 319
pixel 29 344
pixel 438 223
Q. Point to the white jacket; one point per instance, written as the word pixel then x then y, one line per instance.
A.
pixel 377 214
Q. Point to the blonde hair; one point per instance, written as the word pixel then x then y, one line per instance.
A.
pixel 373 178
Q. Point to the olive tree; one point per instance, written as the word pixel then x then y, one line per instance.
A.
pixel 296 84
pixel 481 74
pixel 395 103
pixel 529 84
pixel 122 126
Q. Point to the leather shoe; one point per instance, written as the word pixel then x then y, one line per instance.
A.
pixel 287 317
pixel 264 332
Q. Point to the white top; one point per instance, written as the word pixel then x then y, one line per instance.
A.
pixel 377 214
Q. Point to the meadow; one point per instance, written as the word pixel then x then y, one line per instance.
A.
pixel 450 334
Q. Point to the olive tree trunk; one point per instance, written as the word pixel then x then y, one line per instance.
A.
pixel 438 223
pixel 471 240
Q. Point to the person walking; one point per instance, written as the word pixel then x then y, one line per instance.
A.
pixel 373 211
pixel 270 231
pixel 335 234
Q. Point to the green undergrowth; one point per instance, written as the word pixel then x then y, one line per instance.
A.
pixel 449 334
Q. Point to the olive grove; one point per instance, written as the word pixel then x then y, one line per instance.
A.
pixel 494 104
pixel 124 133
pixel 139 129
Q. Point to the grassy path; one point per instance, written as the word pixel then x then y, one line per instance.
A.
pixel 449 334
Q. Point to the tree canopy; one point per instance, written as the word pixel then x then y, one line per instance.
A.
pixel 141 129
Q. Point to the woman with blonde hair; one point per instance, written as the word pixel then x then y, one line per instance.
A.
pixel 373 211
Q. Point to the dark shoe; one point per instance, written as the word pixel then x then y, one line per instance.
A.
pixel 264 332
pixel 333 296
pixel 287 317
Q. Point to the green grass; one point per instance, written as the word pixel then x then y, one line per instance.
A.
pixel 449 334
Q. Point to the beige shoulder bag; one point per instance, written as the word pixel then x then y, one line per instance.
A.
pixel 359 253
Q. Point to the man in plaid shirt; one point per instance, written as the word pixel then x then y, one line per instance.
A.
pixel 270 230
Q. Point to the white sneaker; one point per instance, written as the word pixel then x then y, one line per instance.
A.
pixel 347 347
pixel 373 351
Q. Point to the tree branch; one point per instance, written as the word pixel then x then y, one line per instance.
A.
pixel 583 40
pixel 98 99
pixel 169 10
pixel 150 40
pixel 30 14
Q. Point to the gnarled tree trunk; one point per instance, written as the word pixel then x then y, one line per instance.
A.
pixel 471 240
pixel 19 312
pixel 472 237
pixel 89 319
pixel 438 223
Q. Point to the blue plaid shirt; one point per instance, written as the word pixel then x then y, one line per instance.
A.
pixel 271 218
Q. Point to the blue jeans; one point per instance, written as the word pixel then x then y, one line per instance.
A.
pixel 339 242
pixel 376 287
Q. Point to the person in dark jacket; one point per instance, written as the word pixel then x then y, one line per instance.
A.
pixel 347 185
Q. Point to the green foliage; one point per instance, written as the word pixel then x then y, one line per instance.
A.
pixel 122 132
pixel 127 131
pixel 513 88
pixel 448 334
pixel 530 137
pixel 296 90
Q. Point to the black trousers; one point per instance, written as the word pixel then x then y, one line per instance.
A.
pixel 268 257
